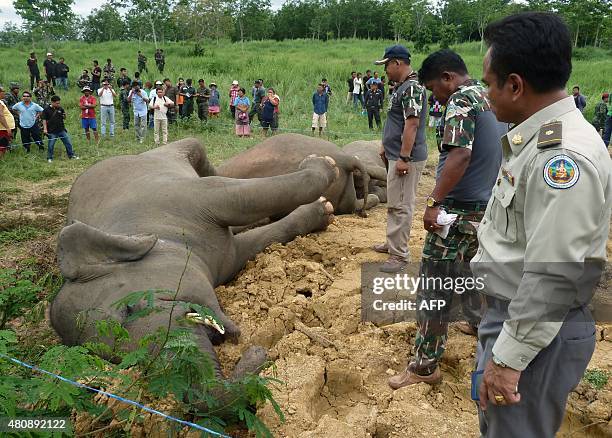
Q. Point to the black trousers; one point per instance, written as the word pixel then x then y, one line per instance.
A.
pixel 34 78
pixel 374 113
pixel 29 134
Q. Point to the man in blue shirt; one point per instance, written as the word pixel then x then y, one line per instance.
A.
pixel 28 113
pixel 320 102
pixel 139 102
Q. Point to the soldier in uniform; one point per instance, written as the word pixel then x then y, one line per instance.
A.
pixel 470 156
pixel 542 242
pixel 142 63
pixel 202 96
pixel 125 103
pixel 405 148
pixel 43 92
pixel 160 60
pixel 10 100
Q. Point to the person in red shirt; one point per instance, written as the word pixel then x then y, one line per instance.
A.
pixel 233 94
pixel 88 113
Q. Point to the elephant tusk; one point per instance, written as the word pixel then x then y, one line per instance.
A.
pixel 206 320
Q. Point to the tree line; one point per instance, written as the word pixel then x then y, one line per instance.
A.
pixel 424 22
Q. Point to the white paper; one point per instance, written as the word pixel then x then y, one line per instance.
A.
pixel 445 220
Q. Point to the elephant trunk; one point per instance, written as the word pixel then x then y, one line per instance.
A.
pixel 358 165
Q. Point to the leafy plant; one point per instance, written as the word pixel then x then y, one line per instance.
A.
pixel 596 378
pixel 17 293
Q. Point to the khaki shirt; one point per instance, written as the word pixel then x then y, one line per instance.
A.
pixel 549 213
pixel 10 120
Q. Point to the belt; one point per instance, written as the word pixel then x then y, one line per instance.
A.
pixel 106 105
pixel 472 206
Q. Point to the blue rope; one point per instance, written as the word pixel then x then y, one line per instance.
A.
pixel 116 397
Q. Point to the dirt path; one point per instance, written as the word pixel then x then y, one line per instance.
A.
pixel 302 302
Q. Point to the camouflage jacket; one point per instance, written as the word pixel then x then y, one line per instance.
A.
pixel 123 98
pixel 43 95
pixel 109 72
pixel 142 60
pixel 599 118
pixel 460 115
pixel 10 99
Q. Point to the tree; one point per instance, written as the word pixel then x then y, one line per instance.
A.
pixel 253 19
pixel 46 17
pixel 104 24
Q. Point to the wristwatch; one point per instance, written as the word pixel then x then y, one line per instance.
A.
pixel 431 202
pixel 498 362
pixel 405 159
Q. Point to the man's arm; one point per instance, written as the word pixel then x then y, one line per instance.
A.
pixel 412 105
pixel 560 226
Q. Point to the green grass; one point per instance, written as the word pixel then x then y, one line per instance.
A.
pixel 597 378
pixel 293 68
pixel 21 233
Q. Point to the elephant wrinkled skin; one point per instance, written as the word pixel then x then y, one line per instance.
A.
pixel 133 220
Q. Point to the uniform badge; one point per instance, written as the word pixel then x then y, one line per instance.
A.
pixel 561 172
pixel 517 139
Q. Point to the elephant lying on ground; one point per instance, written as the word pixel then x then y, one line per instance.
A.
pixel 368 153
pixel 133 220
pixel 282 154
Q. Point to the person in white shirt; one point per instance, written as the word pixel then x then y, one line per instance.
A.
pixel 107 107
pixel 357 92
pixel 159 104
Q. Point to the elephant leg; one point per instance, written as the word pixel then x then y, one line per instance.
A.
pixel 305 219
pixel 380 192
pixel 371 202
pixel 243 202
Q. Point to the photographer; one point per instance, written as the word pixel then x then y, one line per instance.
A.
pixel 139 101
pixel 160 104
pixel 107 107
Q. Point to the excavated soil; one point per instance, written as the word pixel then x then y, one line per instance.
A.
pixel 301 301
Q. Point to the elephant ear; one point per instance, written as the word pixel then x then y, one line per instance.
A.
pixel 85 252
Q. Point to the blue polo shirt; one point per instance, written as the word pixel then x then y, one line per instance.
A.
pixel 27 113
pixel 139 104
pixel 320 102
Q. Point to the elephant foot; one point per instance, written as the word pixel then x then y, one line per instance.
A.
pixel 315 216
pixel 251 362
pixel 371 202
pixel 325 165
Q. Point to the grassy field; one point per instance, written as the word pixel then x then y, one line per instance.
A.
pixel 33 193
pixel 293 68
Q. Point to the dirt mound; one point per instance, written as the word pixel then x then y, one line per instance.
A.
pixel 302 302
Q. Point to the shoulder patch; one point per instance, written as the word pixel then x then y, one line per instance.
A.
pixel 561 172
pixel 550 135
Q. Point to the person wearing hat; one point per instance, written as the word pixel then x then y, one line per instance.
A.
pixel 87 103
pixel 214 102
pixel 202 96
pixel 107 107
pixel 10 100
pixel 601 111
pixel 404 147
pixel 7 121
pixel 160 105
pixel 49 66
pixel 233 95
pixel 29 113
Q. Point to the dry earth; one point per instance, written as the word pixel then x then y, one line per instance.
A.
pixel 302 302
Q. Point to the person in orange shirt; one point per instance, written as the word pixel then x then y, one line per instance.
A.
pixel 180 99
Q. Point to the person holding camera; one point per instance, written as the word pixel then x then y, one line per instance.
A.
pixel 107 107
pixel 139 101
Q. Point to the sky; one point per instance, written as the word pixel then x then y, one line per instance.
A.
pixel 81 7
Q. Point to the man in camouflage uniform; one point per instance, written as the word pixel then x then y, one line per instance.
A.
pixel 142 63
pixel 470 156
pixel 160 60
pixel 43 92
pixel 10 100
pixel 109 71
pixel 202 96
pixel 125 104
pixel 601 111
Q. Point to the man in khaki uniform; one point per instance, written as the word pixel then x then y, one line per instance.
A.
pixel 542 242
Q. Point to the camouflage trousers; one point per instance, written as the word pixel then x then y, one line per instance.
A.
pixel 445 264
pixel 125 112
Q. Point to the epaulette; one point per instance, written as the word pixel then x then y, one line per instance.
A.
pixel 550 135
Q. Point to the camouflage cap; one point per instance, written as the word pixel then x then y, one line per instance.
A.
pixel 14 85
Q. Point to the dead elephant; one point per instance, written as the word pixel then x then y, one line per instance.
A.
pixel 134 221
pixel 368 153
pixel 282 154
